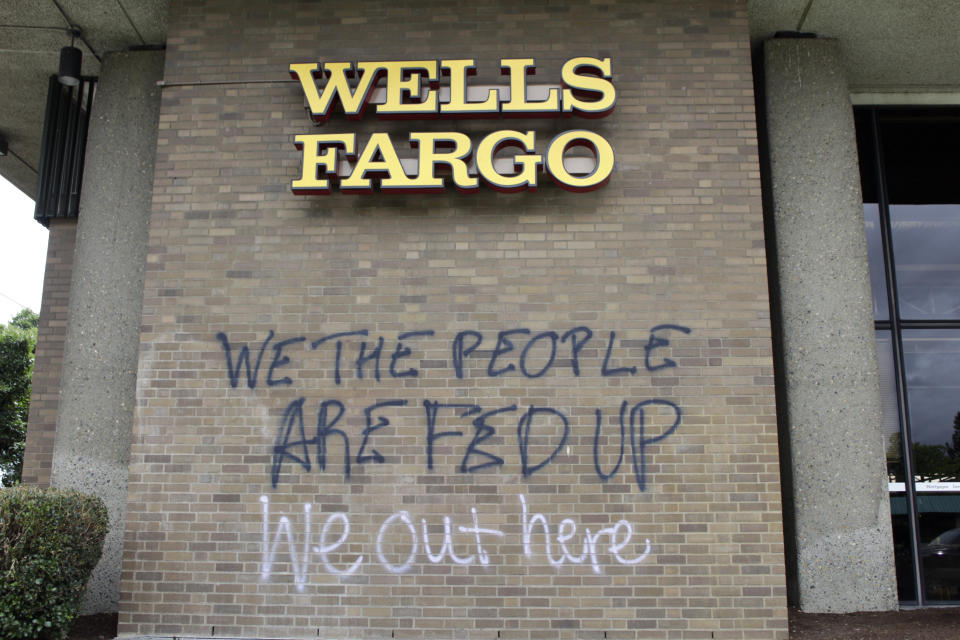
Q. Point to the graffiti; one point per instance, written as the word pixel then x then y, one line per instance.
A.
pixel 293 446
pixel 517 351
pixel 243 360
pixel 523 439
pixel 607 545
pixel 325 435
pixel 567 530
pixel 483 432
pixel 365 354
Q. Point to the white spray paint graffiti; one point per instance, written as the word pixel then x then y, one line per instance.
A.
pixel 481 556
pixel 566 531
pixel 404 517
pixel 324 549
pixel 269 551
pixel 619 535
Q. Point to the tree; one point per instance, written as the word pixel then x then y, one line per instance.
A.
pixel 18 341
pixel 895 471
pixel 27 319
pixel 953 447
pixel 930 461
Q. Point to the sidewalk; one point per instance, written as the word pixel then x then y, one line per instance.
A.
pixel 916 624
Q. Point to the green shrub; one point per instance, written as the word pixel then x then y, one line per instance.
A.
pixel 50 540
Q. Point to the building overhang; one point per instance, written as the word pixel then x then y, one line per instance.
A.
pixel 32 33
pixel 901 49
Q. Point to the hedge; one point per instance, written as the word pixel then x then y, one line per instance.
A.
pixel 50 541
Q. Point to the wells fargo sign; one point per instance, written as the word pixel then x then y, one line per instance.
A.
pixel 413 91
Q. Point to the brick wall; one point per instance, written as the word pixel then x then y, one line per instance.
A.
pixel 51 331
pixel 243 518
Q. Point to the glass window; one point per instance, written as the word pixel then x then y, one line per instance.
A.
pixel 912 222
pixel 900 520
pixel 932 363
pixel 878 284
pixel 926 249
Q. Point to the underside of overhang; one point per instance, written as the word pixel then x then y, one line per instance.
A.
pixel 32 32
pixel 889 47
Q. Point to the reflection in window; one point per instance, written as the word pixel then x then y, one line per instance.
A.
pixel 900 521
pixel 871 218
pixel 912 224
pixel 932 362
pixel 888 399
pixel 926 248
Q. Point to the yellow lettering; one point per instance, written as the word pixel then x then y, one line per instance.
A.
pixel 456 159
pixel 459 71
pixel 405 83
pixel 311 180
pixel 353 101
pixel 576 83
pixel 518 69
pixel 378 145
pixel 602 151
pixel 526 165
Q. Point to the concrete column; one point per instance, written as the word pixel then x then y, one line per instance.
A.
pixel 836 484
pixel 92 446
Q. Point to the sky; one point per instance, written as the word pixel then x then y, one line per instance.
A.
pixel 23 253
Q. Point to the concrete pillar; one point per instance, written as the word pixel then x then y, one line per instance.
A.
pixel 92 446
pixel 836 483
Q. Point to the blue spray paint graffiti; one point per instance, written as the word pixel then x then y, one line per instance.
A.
pixel 363 354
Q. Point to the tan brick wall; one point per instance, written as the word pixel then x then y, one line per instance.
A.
pixel 51 331
pixel 224 484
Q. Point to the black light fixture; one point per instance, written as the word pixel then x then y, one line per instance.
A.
pixel 70 60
